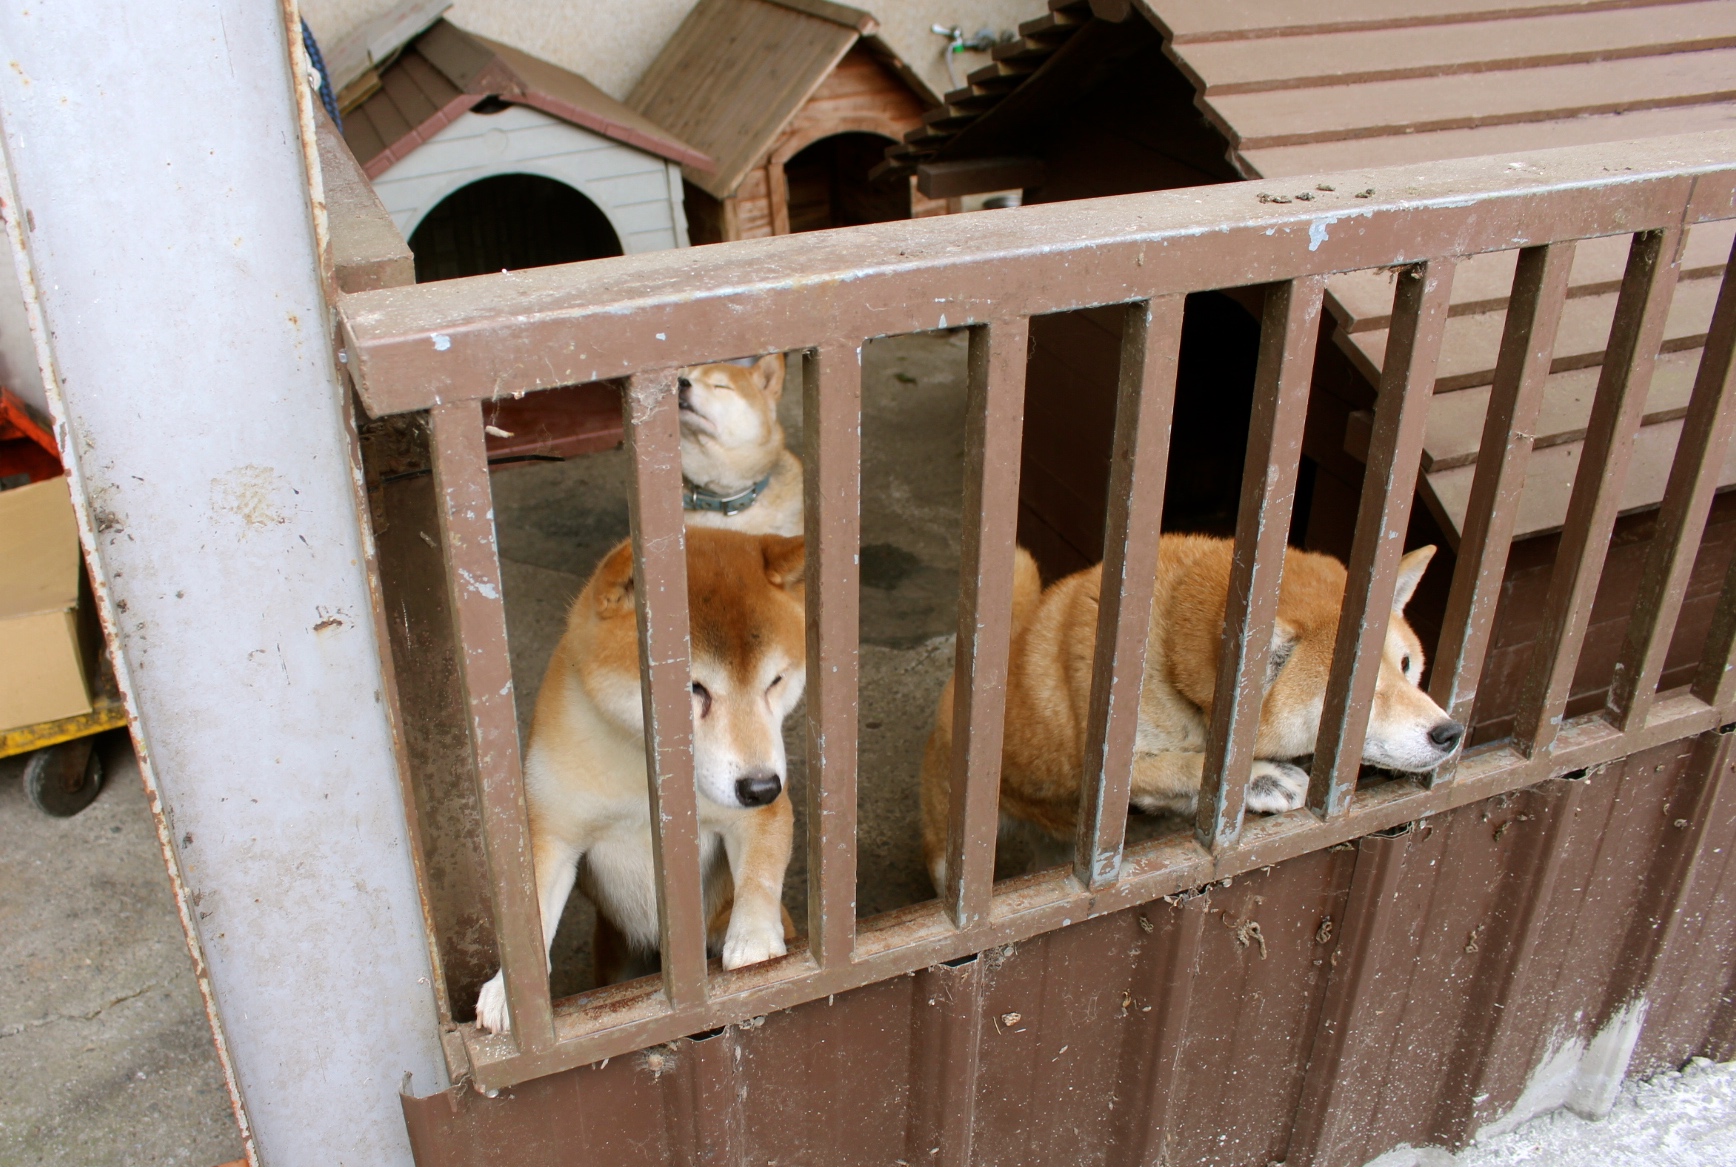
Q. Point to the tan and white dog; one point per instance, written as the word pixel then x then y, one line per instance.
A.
pixel 737 472
pixel 585 775
pixel 1049 691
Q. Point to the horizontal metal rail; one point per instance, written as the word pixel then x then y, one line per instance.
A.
pixel 443 347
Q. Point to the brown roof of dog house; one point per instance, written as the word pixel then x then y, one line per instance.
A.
pixel 796 99
pixel 489 158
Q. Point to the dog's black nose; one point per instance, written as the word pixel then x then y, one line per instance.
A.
pixel 682 388
pixel 758 788
pixel 1446 735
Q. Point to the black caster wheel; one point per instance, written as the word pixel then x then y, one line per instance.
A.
pixel 64 779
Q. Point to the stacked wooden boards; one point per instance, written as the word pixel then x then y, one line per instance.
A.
pixel 1302 87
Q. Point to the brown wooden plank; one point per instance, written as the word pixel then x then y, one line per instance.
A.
pixel 1549 483
pixel 1188 21
pixel 1287 117
pixel 1468 142
pixel 660 606
pixel 1401 413
pixel 994 413
pixel 1150 348
pixel 832 489
pixel 467 541
pixel 1455 430
pixel 498 334
pixel 1362 300
pixel 1597 487
pixel 1700 456
pixel 1287 341
pixel 1473 343
pixel 1539 291
pixel 1352 56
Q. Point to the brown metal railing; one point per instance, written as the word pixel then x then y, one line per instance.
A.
pixel 444 348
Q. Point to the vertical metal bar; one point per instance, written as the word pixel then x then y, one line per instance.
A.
pixel 1401 412
pixel 1150 347
pixel 1715 683
pixel 832 423
pixel 1682 519
pixel 1509 427
pixel 466 513
pixel 1641 309
pixel 994 421
pixel 1287 339
pixel 660 604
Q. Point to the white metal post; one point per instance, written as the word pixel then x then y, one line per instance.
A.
pixel 158 203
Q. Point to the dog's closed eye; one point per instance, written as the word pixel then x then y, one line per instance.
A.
pixel 703 695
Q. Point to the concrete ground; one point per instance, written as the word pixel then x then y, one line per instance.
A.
pixel 104 1046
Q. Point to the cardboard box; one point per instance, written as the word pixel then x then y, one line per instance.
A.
pixel 42 660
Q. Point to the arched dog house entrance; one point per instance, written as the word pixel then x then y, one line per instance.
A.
pixel 827 184
pixel 506 222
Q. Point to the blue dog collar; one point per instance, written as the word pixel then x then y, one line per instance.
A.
pixel 697 498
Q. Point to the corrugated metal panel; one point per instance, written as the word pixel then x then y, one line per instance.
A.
pixel 1406 988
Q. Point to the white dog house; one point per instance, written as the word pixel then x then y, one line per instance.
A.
pixel 490 158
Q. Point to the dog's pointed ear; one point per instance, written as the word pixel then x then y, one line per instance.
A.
pixel 769 372
pixel 1410 573
pixel 612 585
pixel 1284 639
pixel 786 556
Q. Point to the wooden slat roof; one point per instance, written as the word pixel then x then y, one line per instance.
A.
pixel 736 72
pixel 1300 87
pixel 445 71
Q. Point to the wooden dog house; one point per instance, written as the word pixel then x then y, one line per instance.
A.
pixel 796 100
pixel 1107 98
pixel 489 158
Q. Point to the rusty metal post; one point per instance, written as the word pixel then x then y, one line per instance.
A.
pixel 1150 350
pixel 994 417
pixel 832 425
pixel 1407 386
pixel 1287 339
pixel 660 606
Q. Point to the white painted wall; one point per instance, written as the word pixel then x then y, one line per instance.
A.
pixel 157 150
pixel 639 192
pixel 17 351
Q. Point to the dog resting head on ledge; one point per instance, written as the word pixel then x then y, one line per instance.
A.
pixel 737 472
pixel 585 775
pixel 1049 690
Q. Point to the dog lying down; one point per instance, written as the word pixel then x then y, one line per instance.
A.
pixel 736 471
pixel 1049 691
pixel 585 775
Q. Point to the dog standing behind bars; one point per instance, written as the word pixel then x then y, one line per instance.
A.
pixel 1049 691
pixel 585 775
pixel 736 471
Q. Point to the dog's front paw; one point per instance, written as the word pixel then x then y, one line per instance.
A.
pixel 1275 787
pixel 491 1013
pixel 752 943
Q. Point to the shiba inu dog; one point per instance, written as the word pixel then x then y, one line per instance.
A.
pixel 736 471
pixel 1049 690
pixel 585 775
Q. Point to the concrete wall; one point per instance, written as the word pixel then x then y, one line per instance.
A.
pixel 612 42
pixel 172 252
pixel 639 192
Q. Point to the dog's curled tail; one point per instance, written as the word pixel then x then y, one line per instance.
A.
pixel 1027 588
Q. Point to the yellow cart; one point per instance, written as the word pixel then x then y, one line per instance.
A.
pixel 64 771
